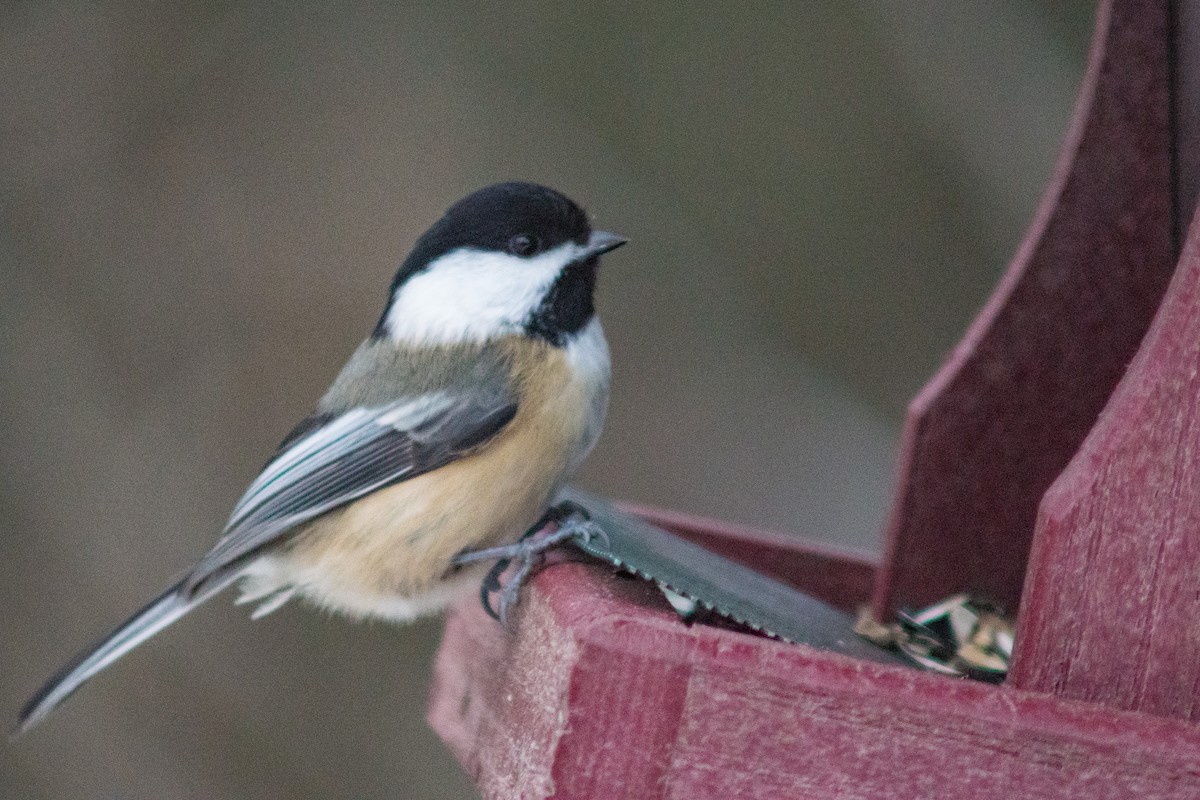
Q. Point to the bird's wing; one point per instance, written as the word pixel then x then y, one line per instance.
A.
pixel 342 458
pixel 327 461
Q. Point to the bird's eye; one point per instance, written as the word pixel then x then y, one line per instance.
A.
pixel 523 244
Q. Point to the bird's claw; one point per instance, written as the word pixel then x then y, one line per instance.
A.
pixel 585 530
pixel 526 554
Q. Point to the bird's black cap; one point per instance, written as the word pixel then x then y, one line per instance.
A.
pixel 523 219
pixel 492 217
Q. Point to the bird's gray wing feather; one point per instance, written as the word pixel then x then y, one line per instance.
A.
pixel 349 456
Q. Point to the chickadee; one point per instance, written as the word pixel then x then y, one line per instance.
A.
pixel 442 441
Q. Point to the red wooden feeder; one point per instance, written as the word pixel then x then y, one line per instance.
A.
pixel 1054 461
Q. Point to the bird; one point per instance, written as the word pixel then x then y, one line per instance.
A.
pixel 440 445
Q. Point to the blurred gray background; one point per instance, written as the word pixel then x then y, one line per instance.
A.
pixel 203 203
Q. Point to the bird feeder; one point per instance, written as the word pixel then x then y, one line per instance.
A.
pixel 1052 464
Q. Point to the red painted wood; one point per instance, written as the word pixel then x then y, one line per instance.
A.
pixel 603 693
pixel 1114 590
pixel 985 438
pixel 842 578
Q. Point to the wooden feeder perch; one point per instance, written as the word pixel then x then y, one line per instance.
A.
pixel 1053 463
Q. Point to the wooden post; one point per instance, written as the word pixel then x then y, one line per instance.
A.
pixel 999 421
pixel 1112 607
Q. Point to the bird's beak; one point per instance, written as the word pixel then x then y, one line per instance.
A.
pixel 603 241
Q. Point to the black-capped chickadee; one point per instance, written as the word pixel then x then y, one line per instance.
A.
pixel 442 441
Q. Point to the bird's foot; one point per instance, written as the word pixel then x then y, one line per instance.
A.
pixel 571 521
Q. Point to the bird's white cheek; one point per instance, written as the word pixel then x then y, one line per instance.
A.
pixel 470 295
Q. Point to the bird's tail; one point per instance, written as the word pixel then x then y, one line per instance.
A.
pixel 156 615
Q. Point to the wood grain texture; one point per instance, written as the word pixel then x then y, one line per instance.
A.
pixel 603 693
pixel 994 427
pixel 1112 607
